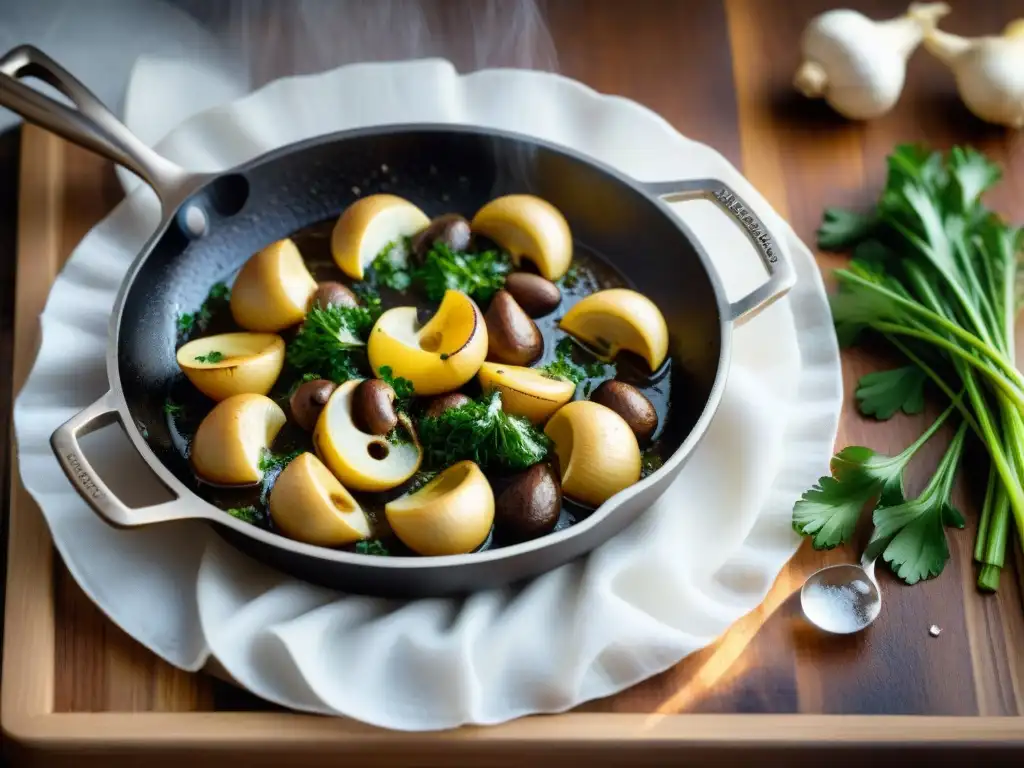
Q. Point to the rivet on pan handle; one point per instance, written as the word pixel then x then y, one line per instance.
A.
pixel 89 123
pixel 781 276
pixel 90 485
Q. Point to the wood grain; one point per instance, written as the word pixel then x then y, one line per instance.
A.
pixel 720 73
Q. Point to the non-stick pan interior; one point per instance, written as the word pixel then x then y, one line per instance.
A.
pixel 441 170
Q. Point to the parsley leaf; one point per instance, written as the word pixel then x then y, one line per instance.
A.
pixel 329 340
pixel 650 462
pixel 270 461
pixel 404 389
pixel 882 393
pixel 172 408
pixel 571 277
pixel 911 536
pixel 564 367
pixel 843 229
pixel 217 299
pixel 479 275
pixel 246 514
pixel 831 509
pixel 371 547
pixel 211 357
pixel 391 265
pixel 482 432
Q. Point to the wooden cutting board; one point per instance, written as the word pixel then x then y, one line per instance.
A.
pixel 727 85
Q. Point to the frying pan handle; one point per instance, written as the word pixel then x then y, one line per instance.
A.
pixel 781 276
pixel 88 123
pixel 88 483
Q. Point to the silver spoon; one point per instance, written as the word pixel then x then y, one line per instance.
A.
pixel 842 599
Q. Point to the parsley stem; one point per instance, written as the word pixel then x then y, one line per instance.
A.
pixel 999 380
pixel 984 520
pixel 988 577
pixel 956 399
pixel 924 313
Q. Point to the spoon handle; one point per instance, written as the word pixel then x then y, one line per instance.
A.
pixel 869 565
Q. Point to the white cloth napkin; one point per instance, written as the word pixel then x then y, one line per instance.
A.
pixel 699 559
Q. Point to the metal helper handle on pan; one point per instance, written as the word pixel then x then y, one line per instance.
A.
pixel 88 124
pixel 781 276
pixel 76 466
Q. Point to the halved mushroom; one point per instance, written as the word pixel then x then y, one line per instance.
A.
pixel 450 515
pixel 368 225
pixel 361 461
pixel 597 452
pixel 440 356
pixel 308 504
pixel 619 318
pixel 232 437
pixel 232 363
pixel 528 227
pixel 273 289
pixel 526 391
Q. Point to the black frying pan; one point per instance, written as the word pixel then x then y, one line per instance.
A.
pixel 212 223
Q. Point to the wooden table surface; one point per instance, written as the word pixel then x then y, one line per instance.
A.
pixel 720 73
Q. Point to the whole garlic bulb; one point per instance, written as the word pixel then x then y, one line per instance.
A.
pixel 989 71
pixel 858 65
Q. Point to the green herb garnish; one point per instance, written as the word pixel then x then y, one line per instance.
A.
pixel 368 294
pixel 882 393
pixel 246 514
pixel 371 547
pixel 571 277
pixel 331 342
pixel 404 390
pixel 217 298
pixel 210 357
pixel 480 275
pixel 270 461
pixel 650 462
pixel 934 274
pixel 391 266
pixel 482 432
pixel 564 367
pixel 172 408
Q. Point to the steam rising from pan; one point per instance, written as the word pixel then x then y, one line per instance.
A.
pixel 275 38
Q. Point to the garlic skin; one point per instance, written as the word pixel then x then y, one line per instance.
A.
pixel 989 71
pixel 858 65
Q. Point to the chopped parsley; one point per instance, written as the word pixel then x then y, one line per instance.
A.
pixel 371 547
pixel 571 277
pixel 482 432
pixel 217 298
pixel 564 367
pixel 331 342
pixel 270 461
pixel 172 408
pixel 404 390
pixel 480 275
pixel 391 266
pixel 246 514
pixel 650 462
pixel 210 357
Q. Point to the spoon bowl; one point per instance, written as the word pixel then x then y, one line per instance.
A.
pixel 842 599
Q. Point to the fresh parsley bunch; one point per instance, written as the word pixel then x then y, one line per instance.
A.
pixel 934 272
